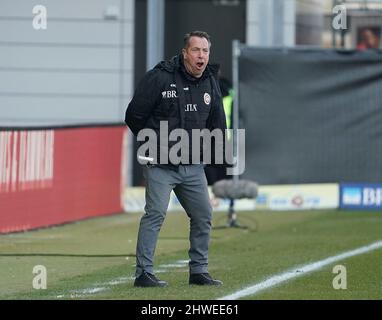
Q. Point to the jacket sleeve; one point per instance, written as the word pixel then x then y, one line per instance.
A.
pixel 217 120
pixel 146 97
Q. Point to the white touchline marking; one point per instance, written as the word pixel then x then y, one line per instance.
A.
pixel 82 293
pixel 178 264
pixel 299 271
pixel 172 265
pixel 90 291
pixel 120 280
pixel 99 287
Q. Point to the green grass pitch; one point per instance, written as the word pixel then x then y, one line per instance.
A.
pixel 94 259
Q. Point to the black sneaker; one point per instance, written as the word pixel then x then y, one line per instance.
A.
pixel 204 279
pixel 148 280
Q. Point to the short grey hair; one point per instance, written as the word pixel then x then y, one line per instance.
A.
pixel 200 34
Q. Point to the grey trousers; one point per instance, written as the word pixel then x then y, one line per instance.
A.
pixel 190 187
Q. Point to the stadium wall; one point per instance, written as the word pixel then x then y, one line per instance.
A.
pixel 53 176
pixel 78 70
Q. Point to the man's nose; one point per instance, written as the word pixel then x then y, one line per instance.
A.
pixel 202 54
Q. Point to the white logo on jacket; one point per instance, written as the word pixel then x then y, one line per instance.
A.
pixel 207 98
pixel 191 107
pixel 169 94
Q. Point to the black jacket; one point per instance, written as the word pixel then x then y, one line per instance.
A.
pixel 157 98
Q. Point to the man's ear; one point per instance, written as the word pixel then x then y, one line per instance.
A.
pixel 183 52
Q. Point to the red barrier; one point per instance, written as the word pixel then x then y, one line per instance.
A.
pixel 49 177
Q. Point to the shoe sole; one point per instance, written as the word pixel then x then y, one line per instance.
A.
pixel 150 286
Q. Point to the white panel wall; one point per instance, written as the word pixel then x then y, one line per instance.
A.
pixel 271 23
pixel 79 70
pixel 75 9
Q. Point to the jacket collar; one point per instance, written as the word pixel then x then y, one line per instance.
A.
pixel 176 63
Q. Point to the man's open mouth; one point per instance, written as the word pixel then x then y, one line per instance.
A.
pixel 200 64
